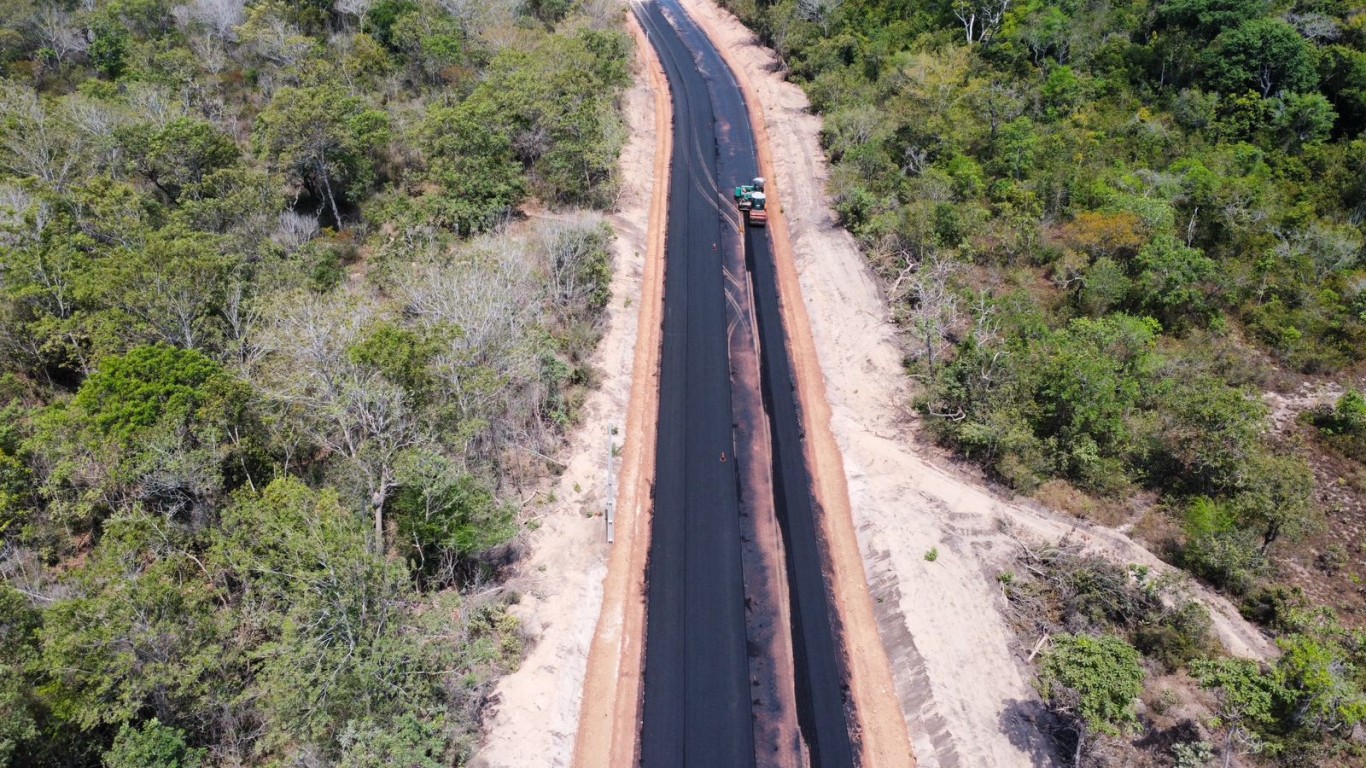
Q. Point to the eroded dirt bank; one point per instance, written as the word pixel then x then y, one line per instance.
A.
pixel 958 673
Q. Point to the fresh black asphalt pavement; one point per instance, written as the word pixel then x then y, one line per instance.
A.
pixel 697 709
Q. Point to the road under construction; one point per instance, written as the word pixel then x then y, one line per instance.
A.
pixel 729 451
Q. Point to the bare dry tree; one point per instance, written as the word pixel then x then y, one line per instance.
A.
pixel 294 230
pixel 488 300
pixel 603 14
pixel 493 21
pixel 821 12
pixel 564 245
pixel 96 122
pixel 344 409
pixel 933 309
pixel 980 18
pixel 57 32
pixel 211 52
pixel 38 142
pixel 155 104
pixel 356 8
pixel 219 18
pixel 275 40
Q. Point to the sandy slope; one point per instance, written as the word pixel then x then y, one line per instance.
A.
pixel 536 715
pixel 958 672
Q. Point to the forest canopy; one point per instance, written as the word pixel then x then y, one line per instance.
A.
pixel 278 352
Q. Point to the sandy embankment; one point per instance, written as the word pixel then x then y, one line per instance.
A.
pixel 535 718
pixel 958 672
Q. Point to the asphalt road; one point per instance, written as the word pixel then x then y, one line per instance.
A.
pixel 697 708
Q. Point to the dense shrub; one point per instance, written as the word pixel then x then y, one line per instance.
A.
pixel 1344 425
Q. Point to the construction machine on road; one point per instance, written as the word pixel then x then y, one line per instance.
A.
pixel 750 199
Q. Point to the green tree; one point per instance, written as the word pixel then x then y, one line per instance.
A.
pixel 1206 432
pixel 19 624
pixel 548 12
pixel 152 745
pixel 180 154
pixel 136 391
pixel 1267 55
pixel 1276 497
pixel 434 44
pixel 1104 286
pixel 1220 550
pixel 16 495
pixel 160 427
pixel 444 515
pixel 138 633
pixel 1347 417
pixel 1061 91
pixel 232 201
pixel 1244 116
pixel 109 48
pixel 1343 425
pixel 1015 148
pixel 401 355
pixel 411 742
pixel 380 20
pixel 554 103
pixel 1210 17
pixel 1094 680
pixel 470 156
pixel 1344 83
pixel 324 138
pixel 1248 698
pixel 1321 685
pixel 169 289
pixel 328 608
pixel 1090 380
pixel 1174 280
pixel 342 661
pixel 1304 119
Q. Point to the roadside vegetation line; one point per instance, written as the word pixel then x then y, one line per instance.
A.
pixel 612 684
pixel 880 724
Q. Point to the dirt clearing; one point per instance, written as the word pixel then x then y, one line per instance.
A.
pixel 958 673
